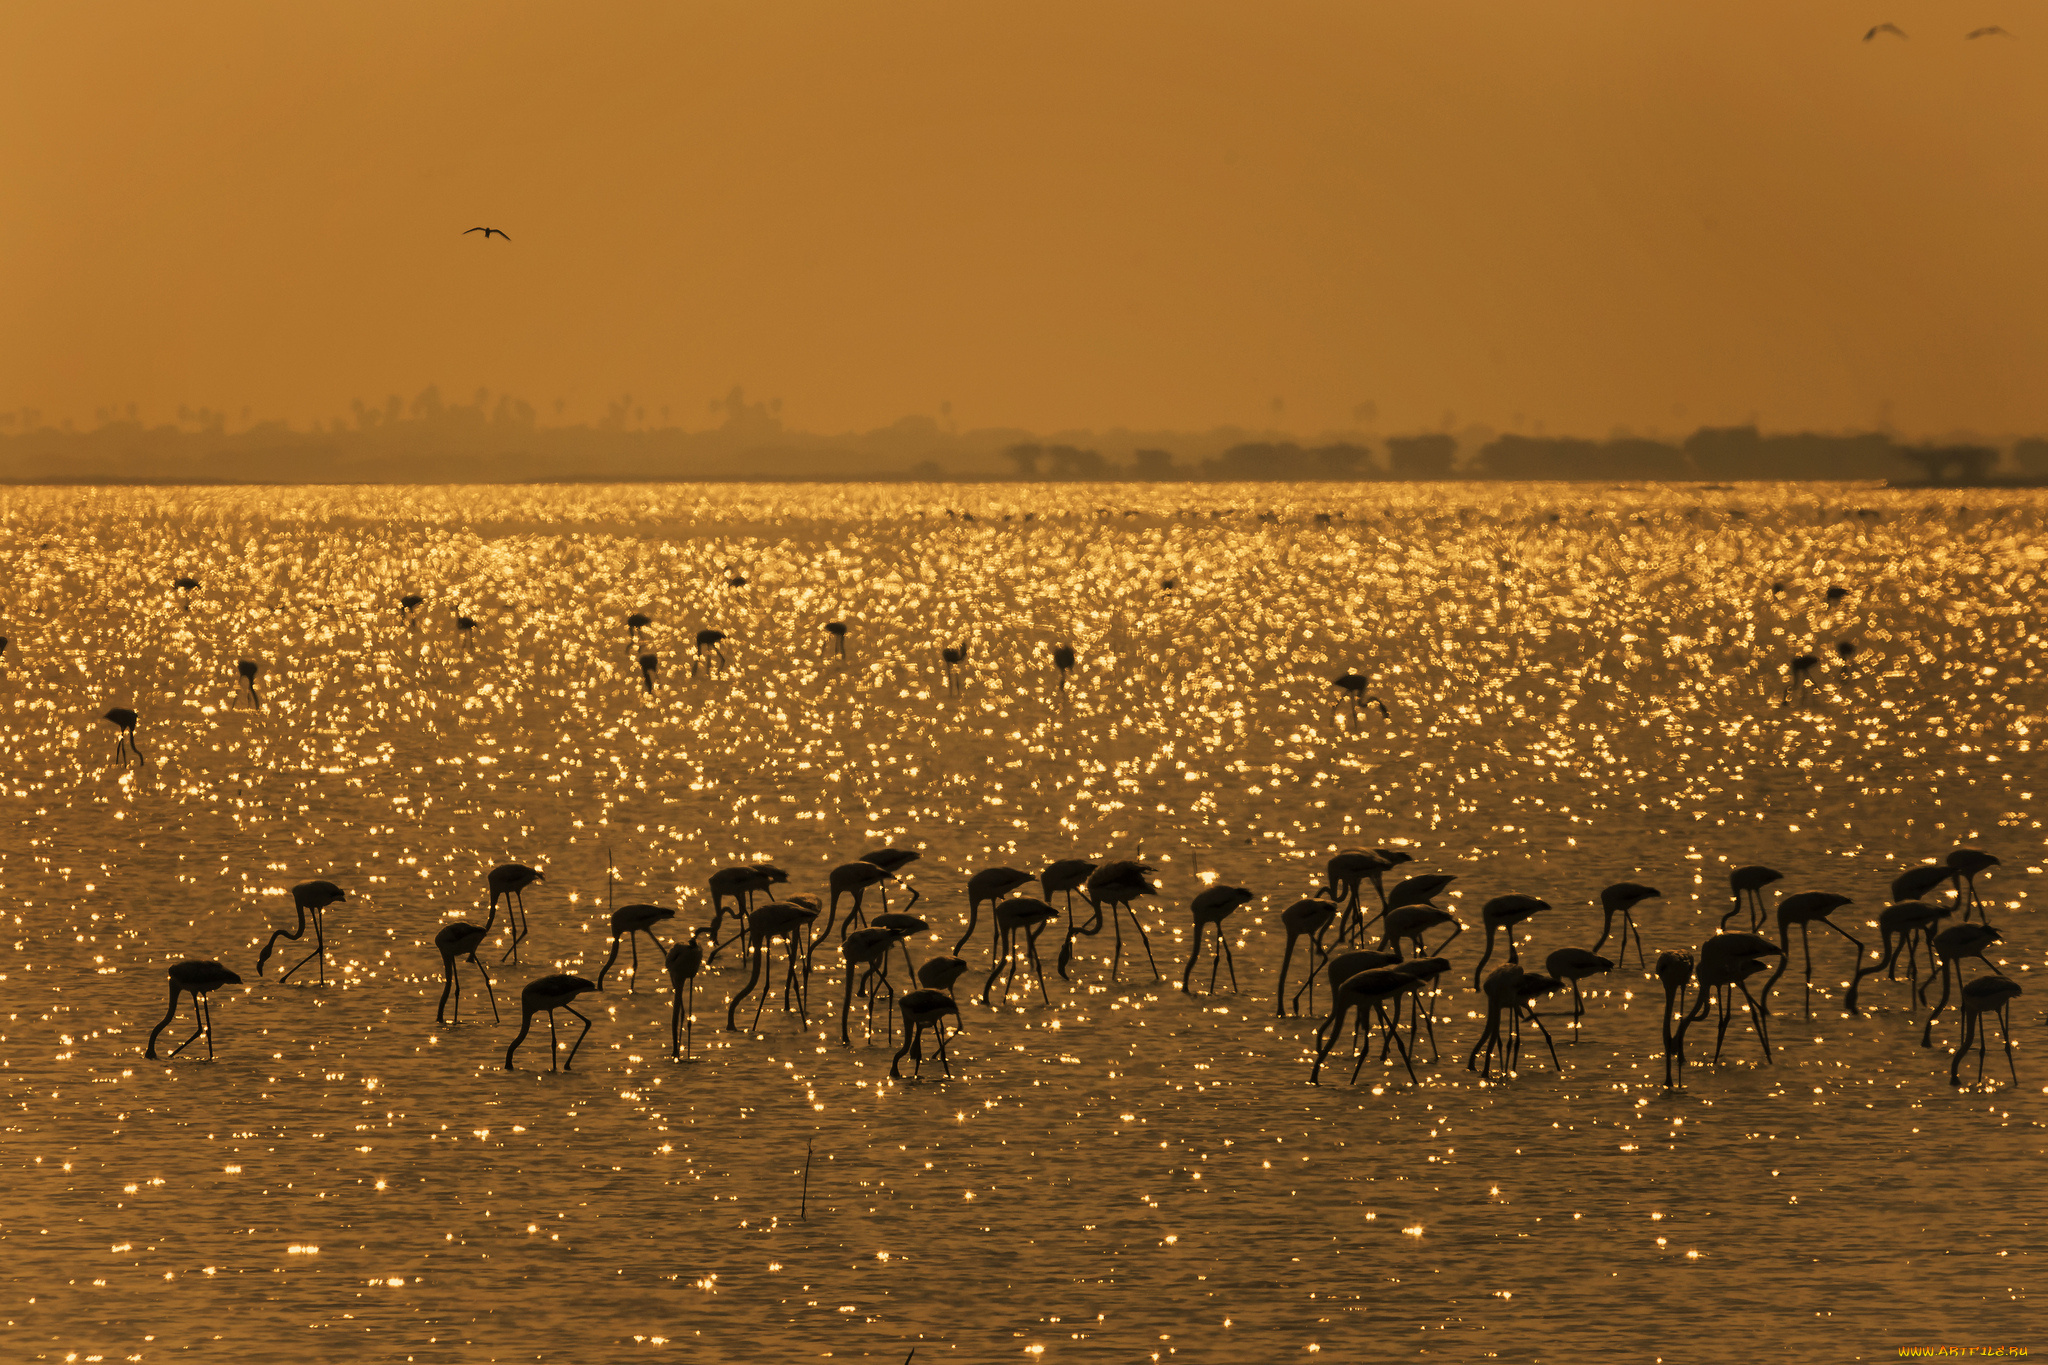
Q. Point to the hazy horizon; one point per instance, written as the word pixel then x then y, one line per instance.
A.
pixel 1055 217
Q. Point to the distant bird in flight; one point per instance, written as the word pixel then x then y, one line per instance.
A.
pixel 1994 31
pixel 488 231
pixel 1884 28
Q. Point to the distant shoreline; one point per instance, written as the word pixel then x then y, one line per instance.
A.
pixel 1703 485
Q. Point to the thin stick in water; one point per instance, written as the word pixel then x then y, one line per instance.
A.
pixel 804 1204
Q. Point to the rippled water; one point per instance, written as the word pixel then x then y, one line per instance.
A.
pixel 1583 686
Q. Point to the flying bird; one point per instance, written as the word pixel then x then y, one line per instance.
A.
pixel 1993 31
pixel 487 232
pixel 1884 28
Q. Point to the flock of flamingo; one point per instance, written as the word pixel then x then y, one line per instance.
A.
pixel 1368 986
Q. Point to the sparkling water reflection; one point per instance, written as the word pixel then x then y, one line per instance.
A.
pixel 1581 688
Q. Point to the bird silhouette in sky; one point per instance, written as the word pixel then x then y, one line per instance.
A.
pixel 488 231
pixel 1992 31
pixel 1884 28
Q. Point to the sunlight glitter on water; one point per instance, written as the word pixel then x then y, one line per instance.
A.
pixel 1581 688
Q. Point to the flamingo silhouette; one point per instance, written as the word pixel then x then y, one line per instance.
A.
pixel 1429 971
pixel 1408 923
pixel 708 642
pixel 1504 912
pixel 1306 918
pixel 1966 863
pixel 638 622
pixel 628 921
pixel 1069 875
pixel 310 899
pixel 785 920
pixel 462 939
pixel 1213 905
pixel 199 980
pixel 1349 870
pixel 248 669
pixel 1952 945
pixel 1805 910
pixel 1353 687
pixel 1900 926
pixel 904 926
pixel 1362 991
pixel 1063 660
pixel 1986 995
pixel 510 880
pixel 684 961
pixel 1571 966
pixel 866 950
pixel 741 883
pixel 123 720
pixel 1675 971
pixel 648 663
pixel 1117 885
pixel 952 657
pixel 1748 885
pixel 1723 964
pixel 923 1010
pixel 990 884
pixel 1031 916
pixel 549 994
pixel 407 603
pixel 1621 899
pixel 1502 998
pixel 837 630
pixel 939 973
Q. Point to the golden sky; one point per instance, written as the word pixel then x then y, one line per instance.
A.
pixel 1585 214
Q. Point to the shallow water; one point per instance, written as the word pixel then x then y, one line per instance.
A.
pixel 1583 686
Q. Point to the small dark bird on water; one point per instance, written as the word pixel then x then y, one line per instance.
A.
pixel 1353 686
pixel 186 584
pixel 1063 660
pixel 199 979
pixel 248 669
pixel 408 602
pixel 465 624
pixel 837 630
pixel 551 993
pixel 1837 593
pixel 123 720
pixel 638 622
pixel 648 663
pixel 1845 650
pixel 488 233
pixel 953 656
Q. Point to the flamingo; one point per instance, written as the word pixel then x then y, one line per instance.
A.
pixel 1986 995
pixel 1362 991
pixel 939 973
pixel 1353 687
pixel 708 642
pixel 123 720
pixel 648 663
pixel 1725 961
pixel 1919 881
pixel 1900 926
pixel 1408 923
pixel 1675 971
pixel 1031 916
pixel 1621 899
pixel 837 630
pixel 1213 905
pixel 1571 966
pixel 1063 660
pixel 953 656
pixel 1348 872
pixel 248 669
pixel 1748 885
pixel 511 880
pixel 551 993
pixel 785 920
pixel 868 950
pixel 742 883
pixel 1504 912
pixel 1952 945
pixel 628 921
pixel 199 980
pixel 1966 863
pixel 923 1010
pixel 1501 997
pixel 1308 917
pixel 990 884
pixel 1427 970
pixel 1069 875
pixel 461 939
pixel 904 926
pixel 1117 885
pixel 1804 910
pixel 407 603
pixel 684 961
pixel 638 622
pixel 852 879
pixel 310 899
